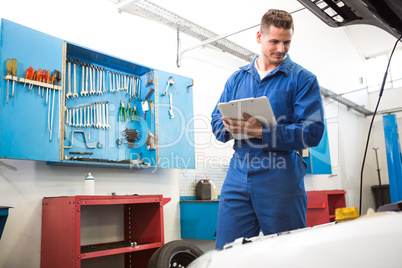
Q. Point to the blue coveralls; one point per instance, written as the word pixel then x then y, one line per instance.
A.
pixel 264 186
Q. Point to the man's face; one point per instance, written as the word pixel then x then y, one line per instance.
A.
pixel 275 44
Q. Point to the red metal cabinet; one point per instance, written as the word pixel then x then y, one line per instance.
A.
pixel 61 230
pixel 321 206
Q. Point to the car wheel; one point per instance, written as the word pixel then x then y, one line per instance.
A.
pixel 176 253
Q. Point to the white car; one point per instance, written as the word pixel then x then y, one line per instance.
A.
pixel 369 241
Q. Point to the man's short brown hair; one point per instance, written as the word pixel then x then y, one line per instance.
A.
pixel 277 18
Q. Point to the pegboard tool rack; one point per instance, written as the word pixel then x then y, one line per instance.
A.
pixel 91 129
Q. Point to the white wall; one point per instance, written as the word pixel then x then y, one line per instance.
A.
pixel 97 25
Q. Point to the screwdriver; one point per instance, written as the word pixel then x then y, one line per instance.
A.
pixel 39 78
pixel 8 69
pixel 35 74
pixel 13 72
pixel 43 79
pixel 29 74
pixel 47 80
pixel 55 79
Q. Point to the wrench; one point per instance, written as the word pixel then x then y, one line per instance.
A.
pixel 86 78
pixel 110 81
pixel 69 94
pixel 81 125
pixel 84 113
pixel 171 114
pixel 69 116
pixel 103 115
pixel 138 88
pixel 104 80
pixel 66 111
pixel 91 92
pixel 88 116
pixel 99 113
pixel 82 93
pixel 107 115
pixel 100 81
pixel 75 62
pixel 117 82
pixel 93 115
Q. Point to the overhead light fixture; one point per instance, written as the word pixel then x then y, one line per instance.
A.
pixel 154 12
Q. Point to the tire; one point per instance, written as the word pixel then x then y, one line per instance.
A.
pixel 175 254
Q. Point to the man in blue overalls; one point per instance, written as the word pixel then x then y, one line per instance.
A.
pixel 264 186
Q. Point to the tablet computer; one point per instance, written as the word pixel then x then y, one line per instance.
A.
pixel 260 108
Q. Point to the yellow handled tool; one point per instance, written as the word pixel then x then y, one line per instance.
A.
pixel 8 69
pixel 13 72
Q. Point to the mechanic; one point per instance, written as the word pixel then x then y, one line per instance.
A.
pixel 264 186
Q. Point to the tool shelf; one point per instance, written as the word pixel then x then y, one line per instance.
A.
pixel 64 219
pixel 31 82
pixel 104 85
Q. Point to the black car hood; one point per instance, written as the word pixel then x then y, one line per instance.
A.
pixel 385 14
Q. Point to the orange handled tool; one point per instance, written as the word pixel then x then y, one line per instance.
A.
pixel 29 73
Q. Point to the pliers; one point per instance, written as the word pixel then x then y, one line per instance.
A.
pixel 122 112
pixel 134 111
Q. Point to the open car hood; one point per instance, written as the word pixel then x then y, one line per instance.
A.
pixel 385 14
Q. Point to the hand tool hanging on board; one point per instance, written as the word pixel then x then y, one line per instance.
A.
pixel 75 63
pixel 47 80
pixel 130 113
pixel 69 94
pixel 104 80
pixel 149 93
pixel 85 139
pixel 135 112
pixel 138 88
pixel 43 79
pixel 171 113
pixel 9 68
pixel 149 78
pixel 34 77
pixel 91 84
pixel 13 72
pixel 100 80
pixel 111 81
pixel 170 83
pixel 131 136
pixel 150 141
pixel 107 115
pixel 38 78
pixel 122 112
pixel 29 73
pixel 55 80
pixel 145 107
pixel 151 106
pixel 82 93
pixel 133 88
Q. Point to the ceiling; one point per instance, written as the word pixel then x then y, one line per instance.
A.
pixel 231 17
